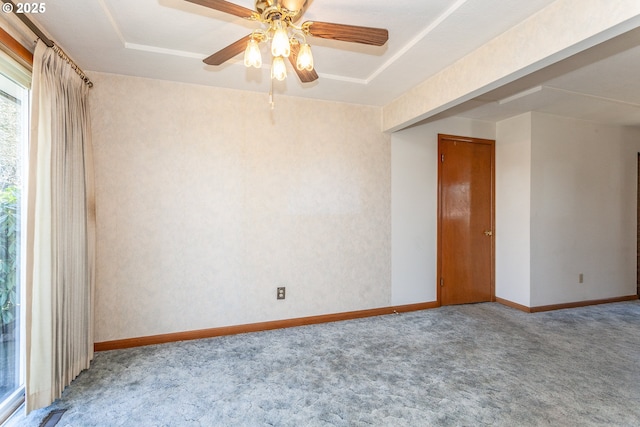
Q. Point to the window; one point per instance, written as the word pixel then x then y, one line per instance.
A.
pixel 14 115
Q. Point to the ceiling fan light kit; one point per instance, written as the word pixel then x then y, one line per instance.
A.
pixel 278 69
pixel 305 59
pixel 280 45
pixel 288 40
pixel 252 55
pixel 283 36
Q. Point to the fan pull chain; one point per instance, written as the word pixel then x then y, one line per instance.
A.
pixel 271 102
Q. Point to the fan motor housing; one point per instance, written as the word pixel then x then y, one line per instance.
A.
pixel 268 9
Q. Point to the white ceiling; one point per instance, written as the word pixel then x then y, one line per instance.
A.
pixel 167 39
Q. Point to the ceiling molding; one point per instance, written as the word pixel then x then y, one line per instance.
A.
pixel 600 98
pixel 520 95
pixel 165 51
pixel 344 79
pixel 112 21
pixel 421 35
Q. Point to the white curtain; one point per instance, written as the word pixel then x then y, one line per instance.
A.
pixel 60 231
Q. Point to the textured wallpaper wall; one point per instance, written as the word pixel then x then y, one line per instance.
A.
pixel 207 201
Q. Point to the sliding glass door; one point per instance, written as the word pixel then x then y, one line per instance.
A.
pixel 14 113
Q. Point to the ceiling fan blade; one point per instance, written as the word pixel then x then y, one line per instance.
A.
pixel 225 6
pixel 347 33
pixel 304 75
pixel 228 52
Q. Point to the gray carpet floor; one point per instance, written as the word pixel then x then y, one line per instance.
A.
pixel 471 365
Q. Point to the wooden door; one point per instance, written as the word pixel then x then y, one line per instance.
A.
pixel 465 220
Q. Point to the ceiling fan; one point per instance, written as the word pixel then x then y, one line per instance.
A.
pixel 288 40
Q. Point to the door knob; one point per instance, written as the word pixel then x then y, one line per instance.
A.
pixel 488 233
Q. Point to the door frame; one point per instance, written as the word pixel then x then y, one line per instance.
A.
pixel 492 143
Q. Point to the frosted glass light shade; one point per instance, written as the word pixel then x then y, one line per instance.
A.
pixel 305 58
pixel 278 69
pixel 252 55
pixel 280 44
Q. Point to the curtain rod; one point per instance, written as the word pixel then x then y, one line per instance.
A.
pixel 47 41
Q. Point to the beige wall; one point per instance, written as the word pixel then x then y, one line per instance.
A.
pixel 565 206
pixel 583 210
pixel 513 209
pixel 207 201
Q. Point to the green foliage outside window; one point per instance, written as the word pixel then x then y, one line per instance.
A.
pixel 9 235
pixel 10 184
